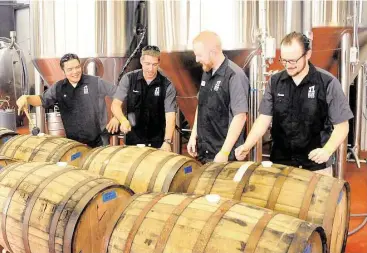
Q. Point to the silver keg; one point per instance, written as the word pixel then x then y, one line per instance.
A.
pixel 54 124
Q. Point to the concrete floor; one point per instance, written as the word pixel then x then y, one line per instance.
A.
pixel 357 243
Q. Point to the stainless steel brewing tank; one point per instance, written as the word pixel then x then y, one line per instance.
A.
pixel 174 24
pixel 8 119
pixel 100 31
pixel 13 81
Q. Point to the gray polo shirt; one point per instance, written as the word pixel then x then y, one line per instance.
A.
pixel 170 104
pixel 105 88
pixel 222 96
pixel 338 106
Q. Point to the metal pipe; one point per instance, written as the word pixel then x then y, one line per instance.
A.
pixel 355 22
pixel 40 111
pixel 307 17
pixel 358 120
pixel 345 82
pixel 255 98
pixel 92 68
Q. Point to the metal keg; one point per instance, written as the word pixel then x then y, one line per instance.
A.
pixel 54 124
pixel 8 119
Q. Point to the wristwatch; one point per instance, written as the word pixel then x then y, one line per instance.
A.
pixel 169 141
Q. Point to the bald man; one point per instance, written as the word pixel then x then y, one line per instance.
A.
pixel 221 113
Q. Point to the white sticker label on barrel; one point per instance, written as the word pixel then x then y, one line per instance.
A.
pixel 241 171
pixel 109 196
pixel 75 156
pixel 188 169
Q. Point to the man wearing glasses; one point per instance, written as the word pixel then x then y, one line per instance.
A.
pixel 149 100
pixel 81 99
pixel 308 110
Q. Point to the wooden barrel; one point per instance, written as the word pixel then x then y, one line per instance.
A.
pixel 300 193
pixel 48 208
pixel 44 148
pixel 4 161
pixel 5 135
pixel 141 168
pixel 161 222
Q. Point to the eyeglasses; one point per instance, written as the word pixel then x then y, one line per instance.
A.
pixel 68 57
pixel 291 62
pixel 149 47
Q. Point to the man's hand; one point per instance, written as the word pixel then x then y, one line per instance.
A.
pixel 319 155
pixel 166 147
pixel 113 126
pixel 22 103
pixel 241 152
pixel 191 147
pixel 221 157
pixel 125 126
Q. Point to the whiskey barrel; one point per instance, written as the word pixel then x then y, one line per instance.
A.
pixel 44 148
pixel 300 193
pixel 161 222
pixel 142 168
pixel 5 135
pixel 4 161
pixel 48 208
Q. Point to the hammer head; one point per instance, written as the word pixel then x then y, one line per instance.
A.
pixel 35 131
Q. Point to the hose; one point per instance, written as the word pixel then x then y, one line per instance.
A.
pixel 360 226
pixel 132 55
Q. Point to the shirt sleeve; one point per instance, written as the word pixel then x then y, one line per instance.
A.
pixel 48 97
pixel 266 105
pixel 238 91
pixel 339 109
pixel 122 89
pixel 106 88
pixel 170 104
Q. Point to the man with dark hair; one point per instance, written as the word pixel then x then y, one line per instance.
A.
pixel 81 99
pixel 308 110
pixel 222 106
pixel 149 100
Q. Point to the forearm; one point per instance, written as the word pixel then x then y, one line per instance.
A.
pixel 338 135
pixel 34 100
pixel 194 132
pixel 257 131
pixel 170 125
pixel 234 131
pixel 116 108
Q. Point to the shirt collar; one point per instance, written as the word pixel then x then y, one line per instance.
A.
pixel 222 68
pixel 312 70
pixel 156 79
pixel 82 80
pixel 220 71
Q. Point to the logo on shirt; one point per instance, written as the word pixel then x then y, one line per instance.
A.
pixel 135 91
pixel 86 90
pixel 217 85
pixel 311 92
pixel 280 95
pixel 156 92
pixel 202 83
